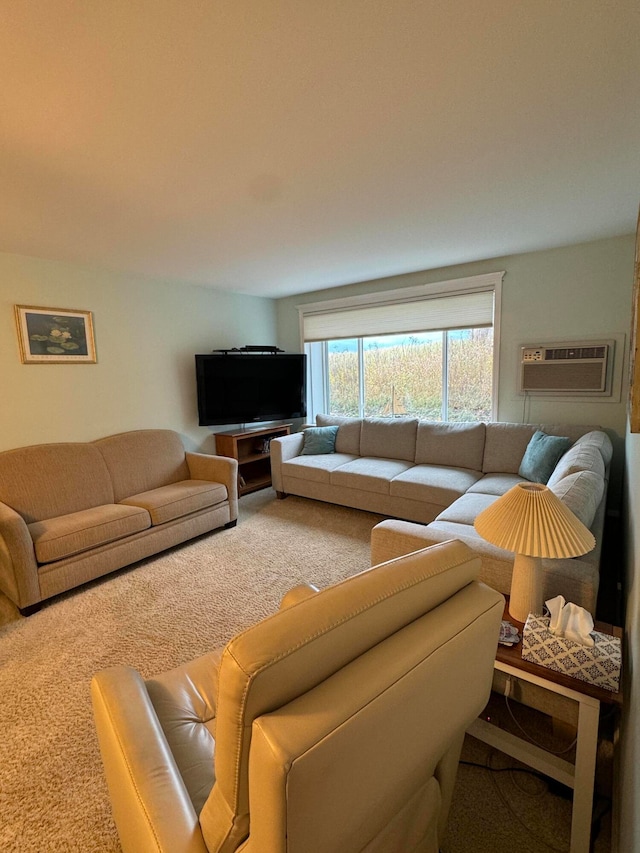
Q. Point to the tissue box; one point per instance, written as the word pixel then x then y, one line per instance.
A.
pixel 599 665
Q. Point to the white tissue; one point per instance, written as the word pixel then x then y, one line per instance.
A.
pixel 570 621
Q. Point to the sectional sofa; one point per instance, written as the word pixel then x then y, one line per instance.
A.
pixel 71 512
pixel 442 475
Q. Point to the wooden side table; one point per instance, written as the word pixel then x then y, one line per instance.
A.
pixel 589 698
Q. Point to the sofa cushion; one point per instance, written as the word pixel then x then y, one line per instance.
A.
pixel 465 509
pixel 319 440
pixel 495 484
pixel 143 460
pixel 456 445
pixel 348 437
pixel 50 480
pixel 581 492
pixel 580 457
pixel 170 502
pixel 433 483
pixel 66 535
pixel 315 468
pixel 505 443
pixel 541 456
pixel 369 475
pixel 573 431
pixel 389 438
pixel 504 447
pixel 601 440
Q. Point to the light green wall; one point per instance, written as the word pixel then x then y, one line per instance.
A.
pixel 575 292
pixel 147 333
pixel 630 740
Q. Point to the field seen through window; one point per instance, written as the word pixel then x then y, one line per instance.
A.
pixel 404 376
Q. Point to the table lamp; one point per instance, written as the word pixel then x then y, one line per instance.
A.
pixel 533 523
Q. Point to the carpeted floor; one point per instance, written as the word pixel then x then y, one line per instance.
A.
pixel 163 612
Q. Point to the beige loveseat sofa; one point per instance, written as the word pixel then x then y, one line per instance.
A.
pixel 334 724
pixel 72 512
pixel 443 475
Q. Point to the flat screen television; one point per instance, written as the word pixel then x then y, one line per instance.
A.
pixel 247 388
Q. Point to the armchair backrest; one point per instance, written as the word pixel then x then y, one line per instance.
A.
pixel 337 717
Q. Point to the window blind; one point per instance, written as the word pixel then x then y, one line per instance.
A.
pixel 459 311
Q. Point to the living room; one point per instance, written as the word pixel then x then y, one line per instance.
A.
pixel 66 245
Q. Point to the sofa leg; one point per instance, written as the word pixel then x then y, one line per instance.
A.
pixel 231 524
pixel 281 495
pixel 30 609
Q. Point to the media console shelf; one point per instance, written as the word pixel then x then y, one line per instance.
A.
pixel 251 448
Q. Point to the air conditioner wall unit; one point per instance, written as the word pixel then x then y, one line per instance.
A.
pixel 582 367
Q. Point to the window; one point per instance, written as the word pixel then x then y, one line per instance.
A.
pixel 428 352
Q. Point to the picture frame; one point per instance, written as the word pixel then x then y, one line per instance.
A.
pixel 634 345
pixel 55 335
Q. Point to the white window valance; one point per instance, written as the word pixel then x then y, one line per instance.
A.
pixel 460 304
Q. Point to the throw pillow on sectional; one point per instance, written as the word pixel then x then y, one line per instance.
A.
pixel 542 455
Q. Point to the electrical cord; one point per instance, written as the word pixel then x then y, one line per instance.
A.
pixel 505 801
pixel 516 816
pixel 532 739
pixel 604 808
pixel 596 817
pixel 525 770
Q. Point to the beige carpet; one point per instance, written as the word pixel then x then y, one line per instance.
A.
pixel 164 611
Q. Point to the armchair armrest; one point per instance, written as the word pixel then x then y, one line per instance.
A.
pixel 217 469
pixel 18 566
pixel 151 805
pixel 298 593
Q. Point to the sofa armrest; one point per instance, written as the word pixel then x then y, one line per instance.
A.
pixel 18 566
pixel 217 469
pixel 576 578
pixel 151 805
pixel 282 449
pixel 394 538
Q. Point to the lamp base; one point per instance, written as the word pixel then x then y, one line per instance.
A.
pixel 526 587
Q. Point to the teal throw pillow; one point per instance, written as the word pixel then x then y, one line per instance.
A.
pixel 542 455
pixel 319 440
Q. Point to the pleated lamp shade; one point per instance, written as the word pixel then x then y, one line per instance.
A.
pixel 532 522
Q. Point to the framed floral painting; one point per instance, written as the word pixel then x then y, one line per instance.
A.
pixel 48 335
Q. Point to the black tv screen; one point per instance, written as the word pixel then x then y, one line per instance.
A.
pixel 245 388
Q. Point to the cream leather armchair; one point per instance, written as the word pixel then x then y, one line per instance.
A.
pixel 334 725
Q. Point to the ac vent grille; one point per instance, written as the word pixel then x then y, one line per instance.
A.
pixel 566 353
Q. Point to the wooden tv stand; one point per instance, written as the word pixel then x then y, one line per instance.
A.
pixel 251 448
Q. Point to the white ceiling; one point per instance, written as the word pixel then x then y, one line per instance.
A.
pixel 280 146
